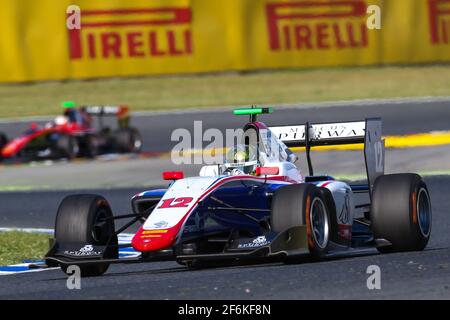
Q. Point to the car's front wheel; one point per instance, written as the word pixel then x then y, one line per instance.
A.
pixel 3 140
pixel 86 219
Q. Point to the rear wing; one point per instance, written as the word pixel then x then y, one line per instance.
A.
pixel 121 112
pixel 367 132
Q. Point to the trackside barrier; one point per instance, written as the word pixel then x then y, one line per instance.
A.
pixel 141 37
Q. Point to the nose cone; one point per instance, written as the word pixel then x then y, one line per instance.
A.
pixel 9 150
pixel 155 239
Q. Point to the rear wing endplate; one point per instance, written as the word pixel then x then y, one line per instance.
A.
pixel 367 132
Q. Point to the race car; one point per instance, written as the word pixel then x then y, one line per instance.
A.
pixel 73 134
pixel 257 204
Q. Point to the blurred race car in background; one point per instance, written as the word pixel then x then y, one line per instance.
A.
pixel 73 134
pixel 256 205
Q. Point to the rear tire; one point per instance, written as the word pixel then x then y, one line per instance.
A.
pixel 90 146
pixel 79 221
pixel 401 212
pixel 67 147
pixel 303 204
pixel 128 140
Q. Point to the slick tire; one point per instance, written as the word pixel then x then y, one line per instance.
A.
pixel 3 142
pixel 67 147
pixel 84 219
pixel 90 146
pixel 128 140
pixel 299 205
pixel 401 212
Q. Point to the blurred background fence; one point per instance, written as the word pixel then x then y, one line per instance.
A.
pixel 141 37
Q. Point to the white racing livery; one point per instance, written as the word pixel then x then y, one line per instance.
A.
pixel 257 204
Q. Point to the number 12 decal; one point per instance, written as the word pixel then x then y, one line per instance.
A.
pixel 182 202
pixel 379 165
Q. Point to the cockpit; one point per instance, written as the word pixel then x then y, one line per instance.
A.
pixel 241 159
pixel 256 147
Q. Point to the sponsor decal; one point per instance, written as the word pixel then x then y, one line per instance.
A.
pixel 321 131
pixel 344 214
pixel 131 33
pixel 155 231
pixel 160 225
pixel 194 225
pixel 191 228
pixel 87 250
pixel 317 25
pixel 258 242
pixel 439 21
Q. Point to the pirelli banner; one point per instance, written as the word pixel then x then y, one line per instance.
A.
pixel 51 40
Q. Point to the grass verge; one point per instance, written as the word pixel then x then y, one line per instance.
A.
pixel 15 246
pixel 288 86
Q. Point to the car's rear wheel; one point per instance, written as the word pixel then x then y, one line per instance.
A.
pixel 128 140
pixel 86 220
pixel 401 212
pixel 67 146
pixel 299 205
pixel 90 146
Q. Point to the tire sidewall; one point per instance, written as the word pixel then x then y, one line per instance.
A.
pixel 315 249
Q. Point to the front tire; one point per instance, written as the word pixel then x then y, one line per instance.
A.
pixel 3 140
pixel 303 204
pixel 401 212
pixel 85 219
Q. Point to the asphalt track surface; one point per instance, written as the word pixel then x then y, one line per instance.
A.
pixel 412 275
pixel 398 119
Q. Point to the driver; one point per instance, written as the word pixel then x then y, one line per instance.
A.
pixel 241 159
